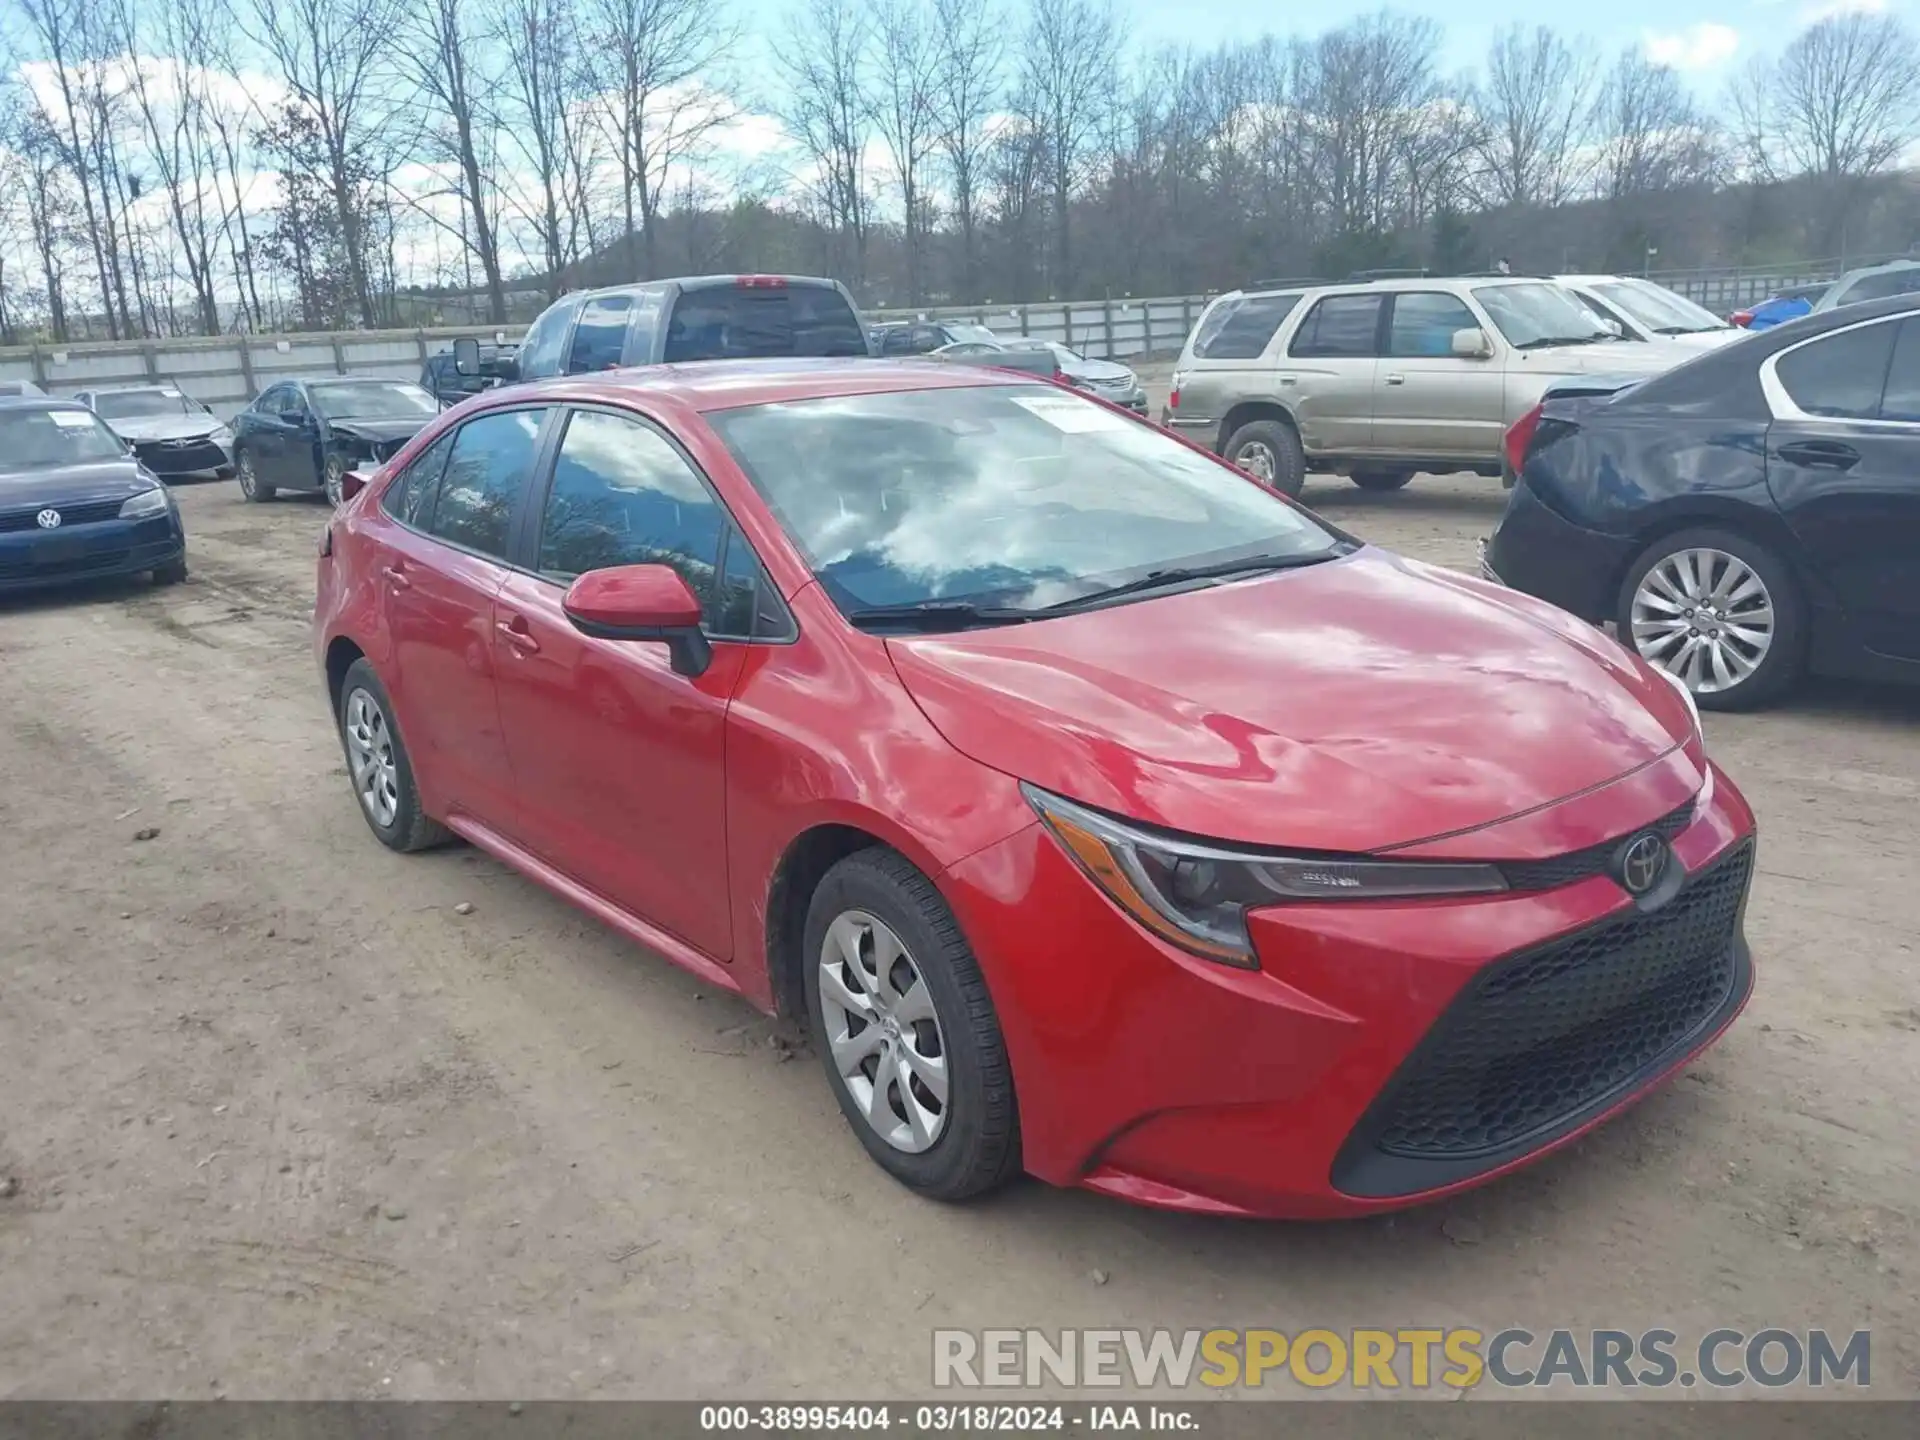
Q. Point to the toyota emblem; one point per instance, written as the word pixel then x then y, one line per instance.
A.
pixel 1642 861
pixel 48 519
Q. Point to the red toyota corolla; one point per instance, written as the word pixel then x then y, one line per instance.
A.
pixel 1104 815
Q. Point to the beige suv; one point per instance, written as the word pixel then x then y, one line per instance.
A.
pixel 1379 380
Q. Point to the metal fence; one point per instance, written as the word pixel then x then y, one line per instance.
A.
pixel 226 372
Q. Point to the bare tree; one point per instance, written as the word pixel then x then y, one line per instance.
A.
pixel 1650 133
pixel 905 81
pixel 446 62
pixel 824 64
pixel 970 55
pixel 1534 104
pixel 1069 68
pixel 651 61
pixel 540 115
pixel 332 56
pixel 1843 101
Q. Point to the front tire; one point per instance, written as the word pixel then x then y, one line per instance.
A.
pixel 1721 612
pixel 1270 451
pixel 378 766
pixel 174 572
pixel 906 1029
pixel 252 487
pixel 330 479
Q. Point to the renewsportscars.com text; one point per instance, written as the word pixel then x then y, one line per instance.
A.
pixel 1409 1358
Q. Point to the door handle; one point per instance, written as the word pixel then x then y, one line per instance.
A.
pixel 1821 454
pixel 517 635
pixel 1396 379
pixel 397 578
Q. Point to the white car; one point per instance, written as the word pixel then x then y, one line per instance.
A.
pixel 1646 311
pixel 171 433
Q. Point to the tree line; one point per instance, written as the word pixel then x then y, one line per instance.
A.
pixel 199 166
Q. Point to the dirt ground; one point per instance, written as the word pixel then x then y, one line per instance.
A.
pixel 277 1121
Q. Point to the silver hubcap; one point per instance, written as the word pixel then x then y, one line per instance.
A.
pixel 376 779
pixel 887 1046
pixel 1256 458
pixel 334 471
pixel 246 473
pixel 1704 616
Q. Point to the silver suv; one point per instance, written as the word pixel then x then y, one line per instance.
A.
pixel 1379 380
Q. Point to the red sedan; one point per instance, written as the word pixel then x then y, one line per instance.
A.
pixel 1104 815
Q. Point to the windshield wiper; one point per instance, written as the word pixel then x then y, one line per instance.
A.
pixel 1180 574
pixel 1542 341
pixel 940 615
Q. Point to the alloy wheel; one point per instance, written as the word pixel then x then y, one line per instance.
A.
pixel 249 482
pixel 888 1050
pixel 1705 617
pixel 376 776
pixel 1257 459
pixel 331 478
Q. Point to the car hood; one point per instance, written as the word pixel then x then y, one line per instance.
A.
pixel 73 484
pixel 1104 372
pixel 1362 704
pixel 379 431
pixel 1698 340
pixel 1638 357
pixel 164 427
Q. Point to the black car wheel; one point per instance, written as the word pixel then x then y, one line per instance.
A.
pixel 1270 451
pixel 378 766
pixel 251 486
pixel 1719 611
pixel 174 572
pixel 906 1030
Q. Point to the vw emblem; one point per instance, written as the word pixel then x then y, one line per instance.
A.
pixel 1641 862
pixel 48 519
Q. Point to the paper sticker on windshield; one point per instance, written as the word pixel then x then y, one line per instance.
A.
pixel 72 419
pixel 1074 416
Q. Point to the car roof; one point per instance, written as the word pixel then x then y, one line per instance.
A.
pixel 40 402
pixel 1597 279
pixel 729 384
pixel 162 387
pixel 1390 284
pixel 697 282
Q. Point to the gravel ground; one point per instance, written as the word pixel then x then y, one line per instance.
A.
pixel 281 1121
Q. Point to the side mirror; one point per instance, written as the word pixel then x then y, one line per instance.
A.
pixel 466 356
pixel 1472 344
pixel 351 484
pixel 293 417
pixel 641 602
pixel 1615 328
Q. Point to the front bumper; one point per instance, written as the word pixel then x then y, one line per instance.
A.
pixel 38 559
pixel 1164 1079
pixel 184 457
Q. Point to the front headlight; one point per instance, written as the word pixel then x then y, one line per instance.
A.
pixel 1197 895
pixel 221 435
pixel 147 502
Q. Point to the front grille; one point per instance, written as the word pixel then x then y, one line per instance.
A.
pixel 90 513
pixel 175 456
pixel 1584 864
pixel 1545 1037
pixel 77 565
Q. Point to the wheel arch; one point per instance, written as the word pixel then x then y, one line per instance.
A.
pixel 1246 412
pixel 1736 518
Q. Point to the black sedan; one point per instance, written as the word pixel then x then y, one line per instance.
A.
pixel 76 505
pixel 306 434
pixel 1747 517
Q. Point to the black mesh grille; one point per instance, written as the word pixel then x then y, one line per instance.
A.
pixel 172 457
pixel 78 565
pixel 1550 1032
pixel 1584 864
pixel 87 514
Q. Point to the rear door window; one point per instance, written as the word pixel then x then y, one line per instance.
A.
pixel 486 475
pixel 1340 325
pixel 1902 398
pixel 601 335
pixel 720 322
pixel 1840 376
pixel 410 496
pixel 1241 329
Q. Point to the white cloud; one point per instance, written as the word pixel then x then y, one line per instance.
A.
pixel 1698 47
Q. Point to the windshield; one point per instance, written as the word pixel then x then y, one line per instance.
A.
pixel 39 439
pixel 383 400
pixel 1013 496
pixel 128 404
pixel 1531 316
pixel 1658 308
pixel 971 335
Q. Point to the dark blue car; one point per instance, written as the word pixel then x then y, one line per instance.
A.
pixel 76 505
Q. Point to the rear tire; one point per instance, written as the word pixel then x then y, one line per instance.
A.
pixel 891 983
pixel 252 488
pixel 1702 596
pixel 1381 479
pixel 378 767
pixel 1270 451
